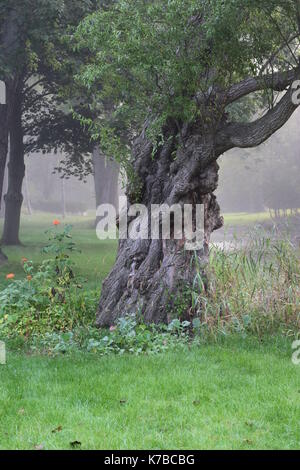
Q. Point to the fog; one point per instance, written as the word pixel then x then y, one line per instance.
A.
pixel 44 189
pixel 265 178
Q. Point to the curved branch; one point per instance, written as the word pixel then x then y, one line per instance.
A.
pixel 278 81
pixel 255 133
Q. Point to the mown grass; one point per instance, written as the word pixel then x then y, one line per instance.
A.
pixel 242 393
pixel 248 218
pixel 245 218
pixel 93 262
pixel 239 395
pixel 96 257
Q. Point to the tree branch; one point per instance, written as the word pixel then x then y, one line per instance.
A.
pixel 255 133
pixel 30 87
pixel 278 82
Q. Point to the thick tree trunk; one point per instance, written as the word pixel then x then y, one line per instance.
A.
pixel 106 178
pixel 3 156
pixel 149 275
pixel 16 170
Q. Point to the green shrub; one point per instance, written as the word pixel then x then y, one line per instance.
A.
pixel 128 336
pixel 254 289
pixel 50 297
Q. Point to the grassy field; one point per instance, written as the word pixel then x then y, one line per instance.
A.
pixel 236 396
pixel 93 262
pixel 96 257
pixel 245 218
pixel 241 394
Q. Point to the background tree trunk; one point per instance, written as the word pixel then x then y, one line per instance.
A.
pixel 16 169
pixel 3 145
pixel 3 156
pixel 63 198
pixel 4 191
pixel 149 275
pixel 106 178
pixel 27 194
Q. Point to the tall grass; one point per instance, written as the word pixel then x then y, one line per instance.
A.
pixel 251 288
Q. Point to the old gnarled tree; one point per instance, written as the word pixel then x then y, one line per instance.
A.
pixel 190 67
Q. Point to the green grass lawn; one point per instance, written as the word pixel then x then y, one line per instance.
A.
pixel 240 395
pixel 246 218
pixel 96 257
pixel 93 262
pixel 233 396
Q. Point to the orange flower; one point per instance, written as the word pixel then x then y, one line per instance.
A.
pixel 10 276
pixel 29 278
pixel 56 222
pixel 24 260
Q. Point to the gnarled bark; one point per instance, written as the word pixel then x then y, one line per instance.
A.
pixel 149 275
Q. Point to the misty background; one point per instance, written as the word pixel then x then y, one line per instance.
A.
pixel 266 178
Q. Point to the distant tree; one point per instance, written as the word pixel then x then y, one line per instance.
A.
pixel 82 152
pixel 45 186
pixel 175 70
pixel 3 144
pixel 4 41
pixel 35 63
pixel 3 154
pixel 106 179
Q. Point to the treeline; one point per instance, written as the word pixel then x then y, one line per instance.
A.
pixel 41 101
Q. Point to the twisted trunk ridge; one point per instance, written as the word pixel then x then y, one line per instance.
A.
pixel 150 276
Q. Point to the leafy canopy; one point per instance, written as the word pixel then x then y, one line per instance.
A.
pixel 36 59
pixel 166 57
